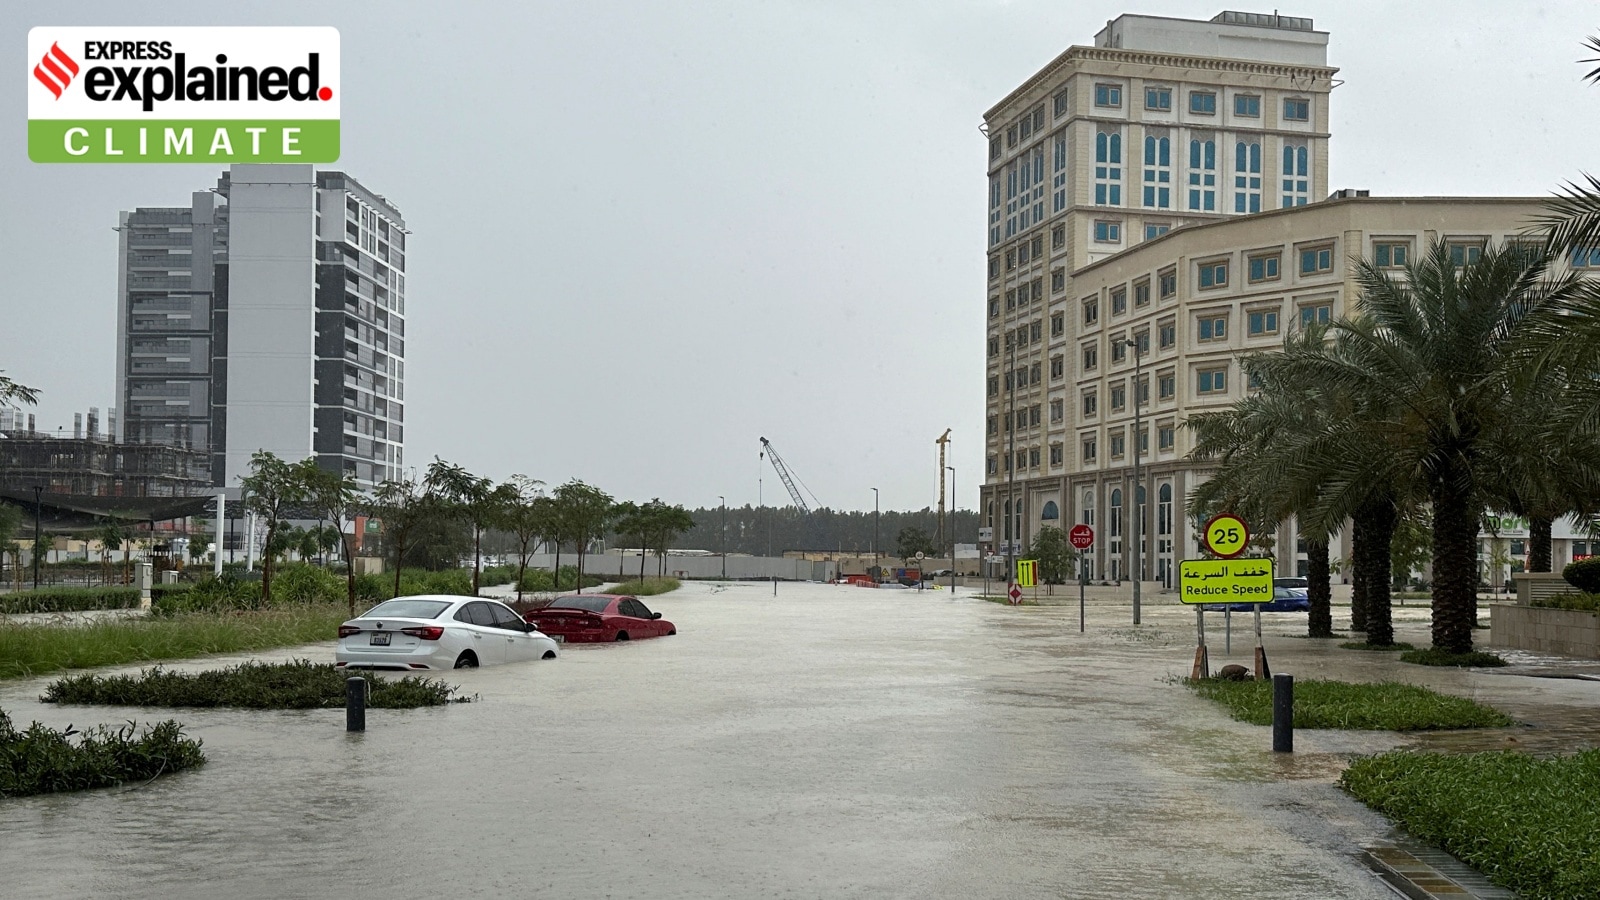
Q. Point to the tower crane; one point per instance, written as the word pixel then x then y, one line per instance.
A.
pixel 943 441
pixel 784 474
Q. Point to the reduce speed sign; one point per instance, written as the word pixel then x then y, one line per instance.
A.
pixel 1081 537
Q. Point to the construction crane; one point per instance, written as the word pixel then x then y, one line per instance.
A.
pixel 943 441
pixel 784 474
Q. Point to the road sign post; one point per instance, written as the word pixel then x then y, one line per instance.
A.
pixel 1225 581
pixel 1082 538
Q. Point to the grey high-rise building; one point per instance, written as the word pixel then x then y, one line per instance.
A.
pixel 267 314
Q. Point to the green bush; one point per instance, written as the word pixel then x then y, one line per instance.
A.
pixel 300 684
pixel 42 760
pixel 1359 645
pixel 1387 706
pixel 213 595
pixel 649 587
pixel 540 580
pixel 445 581
pixel 1575 601
pixel 1529 824
pixel 1433 656
pixel 307 584
pixel 69 599
pixel 497 575
pixel 1584 574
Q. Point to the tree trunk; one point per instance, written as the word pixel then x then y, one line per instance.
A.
pixel 1361 574
pixel 582 545
pixel 1539 543
pixel 477 556
pixel 1379 520
pixel 266 569
pixel 399 556
pixel 555 581
pixel 522 564
pixel 348 545
pixel 1455 570
pixel 1319 592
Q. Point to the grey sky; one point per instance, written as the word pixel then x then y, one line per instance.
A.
pixel 646 234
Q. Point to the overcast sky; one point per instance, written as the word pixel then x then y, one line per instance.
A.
pixel 647 234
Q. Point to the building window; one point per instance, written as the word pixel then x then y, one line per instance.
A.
pixel 1108 167
pixel 994 385
pixel 1038 246
pixel 1296 175
pixel 1213 275
pixel 1166 386
pixel 1168 283
pixel 1141 341
pixel 1247 106
pixel 1091 310
pixel 1141 292
pixel 1119 301
pixel 1033 411
pixel 1157 172
pixel 1153 230
pixel 1316 260
pixel 1119 348
pixel 1158 99
pixel 1119 397
pixel 1058 366
pixel 1391 254
pixel 1057 410
pixel 1164 437
pixel 1059 104
pixel 994 307
pixel 994 424
pixel 1024 253
pixel 1091 357
pixel 1055 454
pixel 1203 175
pixel 1264 267
pixel 1464 253
pixel 1089 448
pixel 1108 96
pixel 1091 404
pixel 1247 177
pixel 1582 257
pixel 994 346
pixel 1316 314
pixel 1213 381
pixel 1213 328
pixel 992 467
pixel 1058 237
pixel 1034 331
pixel 1296 109
pixel 1058 325
pixel 1058 176
pixel 1037 285
pixel 1034 373
pixel 1203 103
pixel 1119 444
pixel 1263 321
pixel 1168 331
pixel 1011 300
pixel 1141 391
pixel 1106 232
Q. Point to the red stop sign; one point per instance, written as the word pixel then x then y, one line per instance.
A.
pixel 1081 537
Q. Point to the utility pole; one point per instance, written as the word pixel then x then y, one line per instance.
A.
pixel 723 543
pixel 1138 498
pixel 955 506
pixel 874 534
pixel 38 511
pixel 1011 534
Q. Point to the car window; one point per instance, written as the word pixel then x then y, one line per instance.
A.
pixel 481 614
pixel 591 604
pixel 464 614
pixel 505 618
pixel 406 608
pixel 640 610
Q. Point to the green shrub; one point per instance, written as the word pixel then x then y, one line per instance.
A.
pixel 42 760
pixel 422 581
pixel 300 684
pixel 498 575
pixel 540 580
pixel 1575 601
pixel 1387 706
pixel 1529 824
pixel 307 584
pixel 649 587
pixel 225 594
pixel 1584 574
pixel 1433 656
pixel 69 599
pixel 1358 645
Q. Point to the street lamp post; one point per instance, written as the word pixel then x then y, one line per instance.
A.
pixel 874 534
pixel 723 543
pixel 954 507
pixel 1138 504
pixel 38 511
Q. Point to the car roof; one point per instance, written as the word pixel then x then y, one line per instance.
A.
pixel 447 598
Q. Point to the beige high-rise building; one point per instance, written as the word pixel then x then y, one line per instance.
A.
pixel 1163 123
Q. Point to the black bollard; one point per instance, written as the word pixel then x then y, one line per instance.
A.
pixel 355 704
pixel 1282 713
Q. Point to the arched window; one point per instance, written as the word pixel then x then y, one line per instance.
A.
pixel 1008 520
pixel 1164 510
pixel 1086 508
pixel 1116 513
pixel 1051 511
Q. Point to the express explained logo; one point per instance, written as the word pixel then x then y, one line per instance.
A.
pixel 56 70
pixel 179 94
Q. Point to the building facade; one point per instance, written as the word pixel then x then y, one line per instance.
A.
pixel 268 314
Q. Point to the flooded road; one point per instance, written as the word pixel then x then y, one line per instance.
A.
pixel 834 742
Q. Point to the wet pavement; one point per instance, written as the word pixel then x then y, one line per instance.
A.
pixel 834 742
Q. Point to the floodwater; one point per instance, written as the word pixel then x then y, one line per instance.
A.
pixel 832 742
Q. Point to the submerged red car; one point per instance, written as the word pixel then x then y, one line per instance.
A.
pixel 595 618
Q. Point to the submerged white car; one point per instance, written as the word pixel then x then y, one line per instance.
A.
pixel 438 632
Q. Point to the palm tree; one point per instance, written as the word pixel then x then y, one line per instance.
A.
pixel 1431 356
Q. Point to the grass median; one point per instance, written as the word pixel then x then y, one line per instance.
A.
pixel 1386 706
pixel 1532 825
pixel 40 760
pixel 39 649
pixel 648 587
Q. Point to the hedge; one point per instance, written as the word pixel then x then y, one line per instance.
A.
pixel 1576 601
pixel 69 599
pixel 1584 575
pixel 43 760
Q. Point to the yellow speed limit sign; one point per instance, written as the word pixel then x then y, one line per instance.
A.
pixel 1226 535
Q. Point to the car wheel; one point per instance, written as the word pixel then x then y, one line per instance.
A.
pixel 622 635
pixel 467 660
pixel 549 654
pixel 673 631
